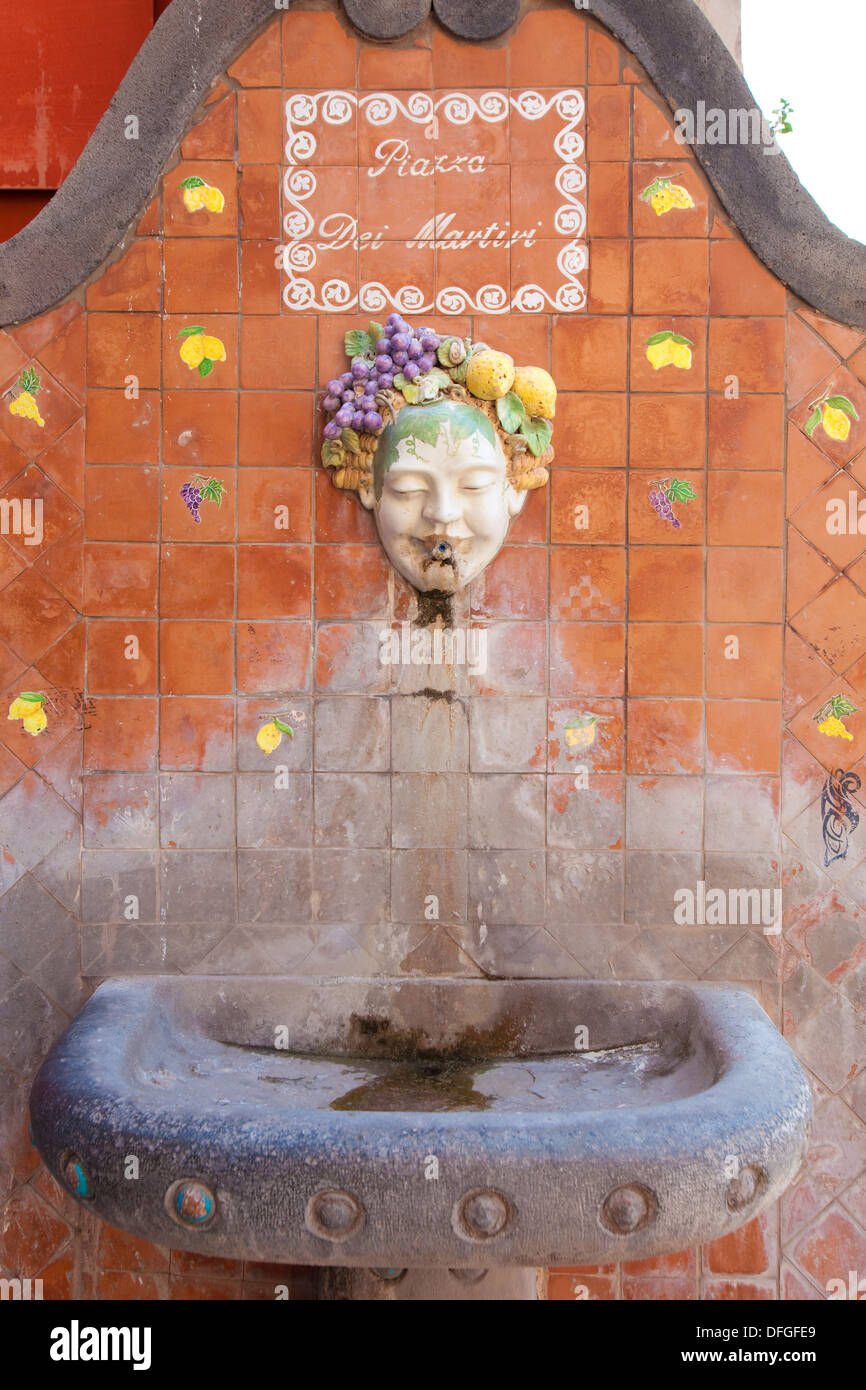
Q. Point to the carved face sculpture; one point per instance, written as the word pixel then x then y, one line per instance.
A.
pixel 441 494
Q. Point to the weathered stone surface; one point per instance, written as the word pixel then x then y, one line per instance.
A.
pixel 352 734
pixel 477 19
pixel 309 1157
pixel 110 877
pixel 274 812
pixel 386 19
pixel 429 735
pixel 506 811
pixel 197 809
pixel 353 810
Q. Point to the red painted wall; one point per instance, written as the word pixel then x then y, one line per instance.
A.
pixel 56 80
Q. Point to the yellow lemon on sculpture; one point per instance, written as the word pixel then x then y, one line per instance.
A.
pixel 268 737
pixel 212 199
pixel 490 374
pixel 35 722
pixel 537 390
pixel 837 424
pixel 214 349
pixel 192 349
pixel 659 354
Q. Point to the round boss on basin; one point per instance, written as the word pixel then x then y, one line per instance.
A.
pixel 482 1214
pixel 745 1187
pixel 334 1214
pixel 75 1176
pixel 191 1203
pixel 628 1209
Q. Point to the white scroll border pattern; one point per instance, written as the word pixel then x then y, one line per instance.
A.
pixel 298 256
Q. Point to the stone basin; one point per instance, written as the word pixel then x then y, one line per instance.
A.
pixel 422 1122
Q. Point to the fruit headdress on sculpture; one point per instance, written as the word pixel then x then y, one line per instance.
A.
pixel 397 365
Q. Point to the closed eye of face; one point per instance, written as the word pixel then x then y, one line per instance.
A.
pixel 478 481
pixel 407 485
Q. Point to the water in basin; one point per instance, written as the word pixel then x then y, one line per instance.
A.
pixel 636 1074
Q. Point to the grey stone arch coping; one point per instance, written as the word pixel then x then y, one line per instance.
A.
pixel 110 185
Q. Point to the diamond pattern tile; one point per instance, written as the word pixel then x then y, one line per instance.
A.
pixel 62 718
pixel 842 339
pixel 830 519
pixel 10 564
pixel 839 382
pixel 830 751
pixel 806 832
pixel 832 1043
pixel 809 358
pixel 63 566
pixel 11 459
pixel 835 624
pixel 57 408
pixel 64 462
pixel 807 572
pixel 858 364
pixel 35 818
pixel 805 674
pixel 806 469
pixel 58 513
pixel 832 1247
pixel 33 615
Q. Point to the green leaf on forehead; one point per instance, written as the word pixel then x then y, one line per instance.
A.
pixel 32 696
pixel 349 437
pixel 188 332
pixel 192 182
pixel 537 434
pixel 357 342
pixel 511 412
pixel 425 426
pixel 284 728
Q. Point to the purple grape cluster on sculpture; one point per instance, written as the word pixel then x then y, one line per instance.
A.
pixel 378 356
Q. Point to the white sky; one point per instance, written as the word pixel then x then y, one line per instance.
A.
pixel 812 52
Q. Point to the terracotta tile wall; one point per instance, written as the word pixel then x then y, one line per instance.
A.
pixel 150 764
